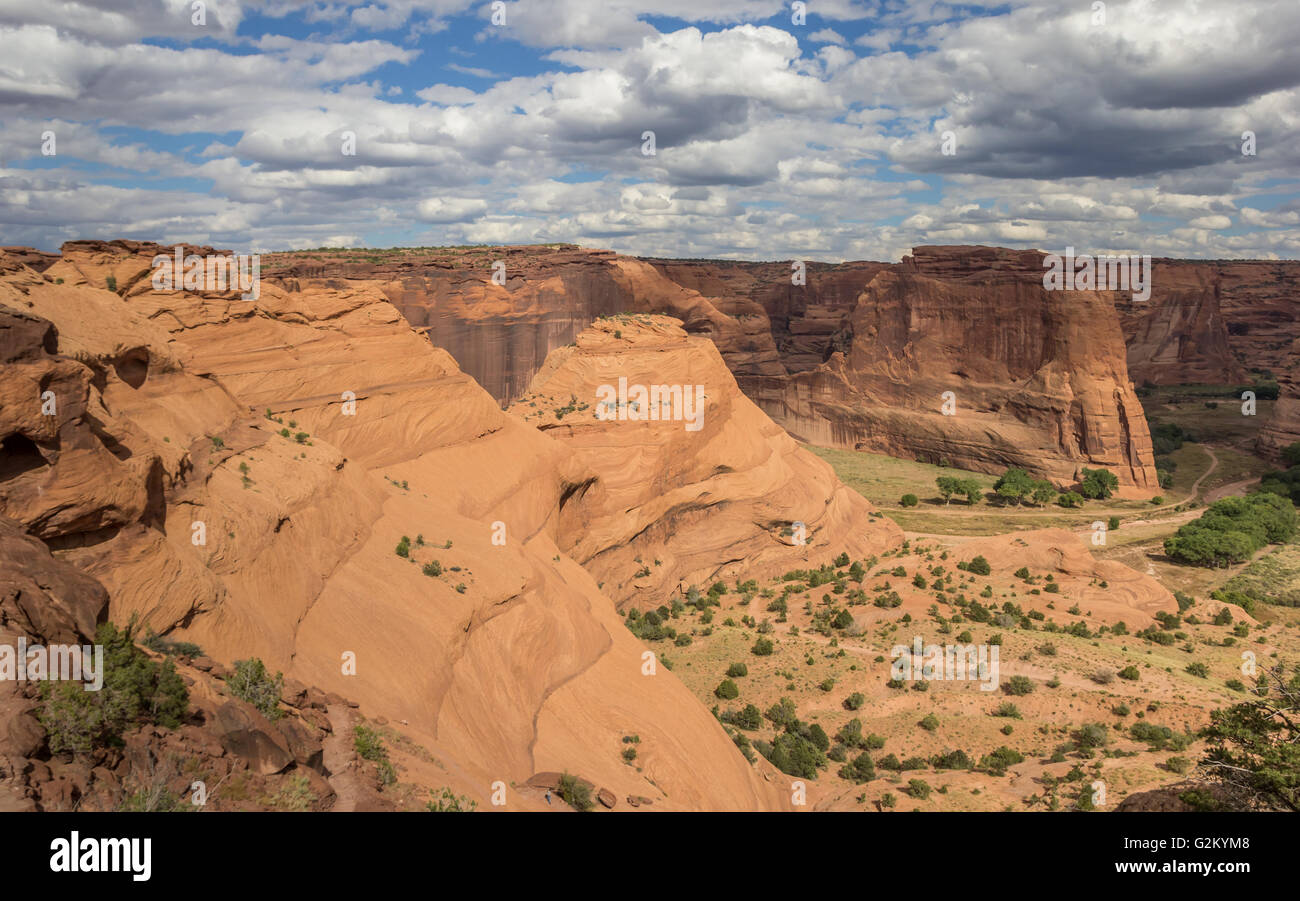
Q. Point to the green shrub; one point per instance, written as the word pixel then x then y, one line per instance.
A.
pixel 134 690
pixel 369 745
pixel 727 690
pixel 576 793
pixel 1018 685
pixel 448 802
pixel 252 683
pixel 1231 530
pixel 909 500
pixel 860 769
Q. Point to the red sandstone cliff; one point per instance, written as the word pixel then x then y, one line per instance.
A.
pixel 201 463
pixel 792 348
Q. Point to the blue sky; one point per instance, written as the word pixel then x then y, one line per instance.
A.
pixel 862 129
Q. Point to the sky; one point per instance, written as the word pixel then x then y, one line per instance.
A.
pixel 747 129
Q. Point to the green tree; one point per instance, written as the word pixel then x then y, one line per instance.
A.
pixel 1098 484
pixel 1015 485
pixel 1044 493
pixel 135 689
pixel 948 486
pixel 1254 747
pixel 252 683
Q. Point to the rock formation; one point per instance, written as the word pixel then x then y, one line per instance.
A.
pixel 1037 378
pixel 716 490
pixel 1283 427
pixel 305 479
pixel 1051 393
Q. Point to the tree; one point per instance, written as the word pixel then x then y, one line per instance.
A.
pixel 860 769
pixel 1015 485
pixel 1044 493
pixel 909 500
pixel 1098 484
pixel 727 690
pixel 252 683
pixel 973 490
pixel 1232 529
pixel 1070 499
pixel 134 689
pixel 979 566
pixel 1291 454
pixel 948 486
pixel 1254 747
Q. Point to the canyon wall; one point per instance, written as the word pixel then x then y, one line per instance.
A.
pixel 306 479
pixel 1038 378
pixel 799 350
pixel 1283 428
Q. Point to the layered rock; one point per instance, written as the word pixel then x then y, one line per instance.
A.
pixel 240 473
pixel 781 340
pixel 1283 427
pixel 1260 301
pixel 499 331
pixel 1179 335
pixel 702 488
pixel 1037 379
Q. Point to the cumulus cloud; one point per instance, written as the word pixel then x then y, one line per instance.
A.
pixel 771 139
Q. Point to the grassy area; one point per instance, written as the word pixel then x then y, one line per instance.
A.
pixel 1221 424
pixel 1234 465
pixel 1273 577
pixel 1193 462
pixel 884 480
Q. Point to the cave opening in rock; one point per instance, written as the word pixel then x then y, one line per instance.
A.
pixel 19 455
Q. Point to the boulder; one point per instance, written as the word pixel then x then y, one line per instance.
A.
pixel 303 743
pixel 247 734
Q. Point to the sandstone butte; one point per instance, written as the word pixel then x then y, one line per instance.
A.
pixel 860 357
pixel 200 472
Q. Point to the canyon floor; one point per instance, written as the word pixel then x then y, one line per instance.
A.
pixel 839 677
